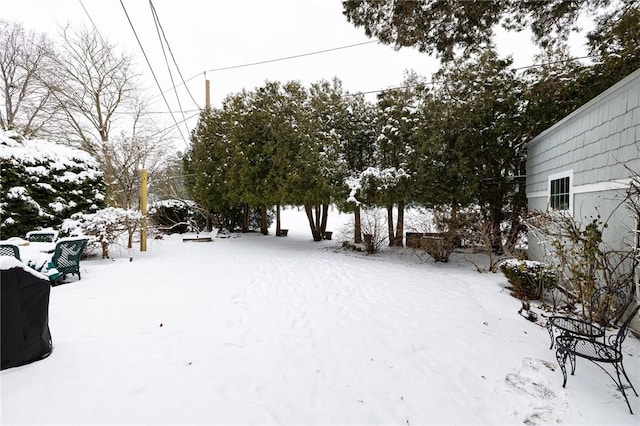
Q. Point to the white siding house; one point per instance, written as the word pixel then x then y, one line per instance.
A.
pixel 579 165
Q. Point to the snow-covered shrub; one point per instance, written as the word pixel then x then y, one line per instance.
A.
pixel 43 182
pixel 106 225
pixel 529 279
pixel 176 215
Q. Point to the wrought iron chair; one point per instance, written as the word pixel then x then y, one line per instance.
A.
pixel 10 250
pixel 571 346
pixel 67 255
pixel 605 306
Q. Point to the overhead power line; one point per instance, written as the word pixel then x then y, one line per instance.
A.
pixel 156 21
pixel 91 20
pixel 553 62
pixel 166 129
pixel 152 72
pixel 286 58
pixel 514 69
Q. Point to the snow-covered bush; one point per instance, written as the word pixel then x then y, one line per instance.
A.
pixel 106 225
pixel 529 279
pixel 43 182
pixel 177 215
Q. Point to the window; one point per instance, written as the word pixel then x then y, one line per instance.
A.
pixel 560 193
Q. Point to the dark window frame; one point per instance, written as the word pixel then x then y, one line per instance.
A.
pixel 560 193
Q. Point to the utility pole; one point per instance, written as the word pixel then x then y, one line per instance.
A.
pixel 207 96
pixel 143 209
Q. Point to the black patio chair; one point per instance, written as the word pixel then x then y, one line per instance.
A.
pixel 609 352
pixel 9 250
pixel 605 306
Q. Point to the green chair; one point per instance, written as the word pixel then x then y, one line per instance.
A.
pixel 67 255
pixel 9 250
pixel 42 236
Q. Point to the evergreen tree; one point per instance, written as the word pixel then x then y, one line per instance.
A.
pixel 290 131
pixel 321 164
pixel 553 90
pixel 449 26
pixel 357 150
pixel 472 143
pixel 616 52
pixel 44 183
pixel 396 126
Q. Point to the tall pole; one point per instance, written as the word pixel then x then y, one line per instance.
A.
pixel 207 95
pixel 143 209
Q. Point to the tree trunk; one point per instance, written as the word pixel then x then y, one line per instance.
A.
pixel 278 220
pixel 399 225
pixel 496 236
pixel 209 221
pixel 496 215
pixel 454 226
pixel 357 226
pixel 263 220
pixel 519 210
pixel 105 250
pixel 453 223
pixel 390 224
pixel 245 218
pixel 314 222
pixel 323 221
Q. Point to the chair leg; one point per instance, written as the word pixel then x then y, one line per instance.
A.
pixel 572 361
pixel 561 356
pixel 627 377
pixel 620 386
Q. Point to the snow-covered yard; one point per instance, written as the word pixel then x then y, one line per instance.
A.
pixel 264 330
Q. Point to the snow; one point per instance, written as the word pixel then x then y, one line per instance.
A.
pixel 10 262
pixel 264 330
pixel 57 156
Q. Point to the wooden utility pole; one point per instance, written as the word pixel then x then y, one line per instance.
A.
pixel 143 209
pixel 207 95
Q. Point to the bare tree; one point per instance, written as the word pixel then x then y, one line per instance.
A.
pixel 95 83
pixel 169 181
pixel 25 66
pixel 128 155
pixel 145 148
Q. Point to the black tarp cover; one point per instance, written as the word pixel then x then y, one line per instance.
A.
pixel 24 304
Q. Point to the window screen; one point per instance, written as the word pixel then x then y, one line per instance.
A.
pixel 560 193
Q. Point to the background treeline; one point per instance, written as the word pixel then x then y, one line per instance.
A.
pixel 450 140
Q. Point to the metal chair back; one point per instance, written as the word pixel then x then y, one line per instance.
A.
pixel 615 340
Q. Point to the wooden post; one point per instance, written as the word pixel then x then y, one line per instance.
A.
pixel 207 95
pixel 143 209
